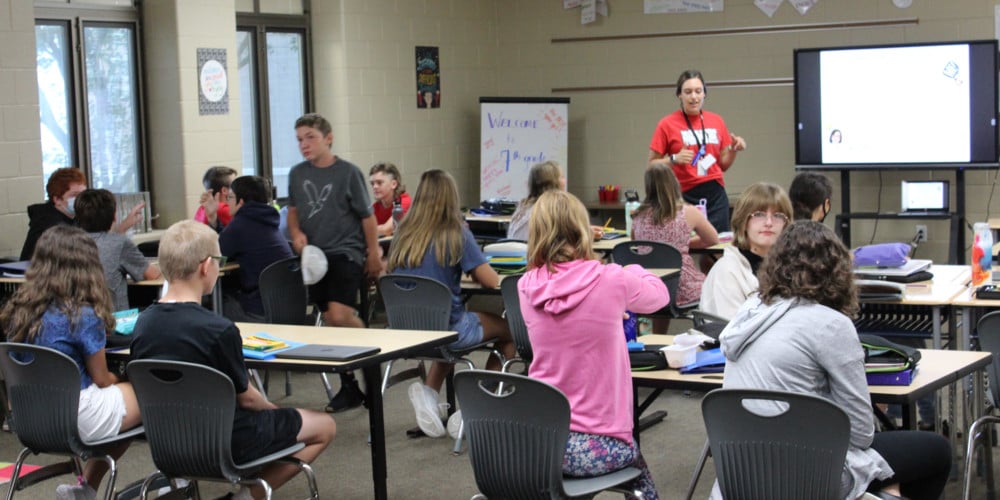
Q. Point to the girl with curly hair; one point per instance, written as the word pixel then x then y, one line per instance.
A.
pixel 797 336
pixel 65 304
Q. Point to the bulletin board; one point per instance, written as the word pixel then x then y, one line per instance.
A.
pixel 517 133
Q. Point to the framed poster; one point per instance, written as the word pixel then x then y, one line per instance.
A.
pixel 428 78
pixel 213 82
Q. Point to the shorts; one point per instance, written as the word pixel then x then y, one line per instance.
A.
pixel 101 412
pixel 470 332
pixel 340 284
pixel 259 433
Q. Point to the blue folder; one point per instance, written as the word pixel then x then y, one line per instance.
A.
pixel 710 361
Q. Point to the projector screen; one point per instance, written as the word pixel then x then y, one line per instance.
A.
pixel 932 105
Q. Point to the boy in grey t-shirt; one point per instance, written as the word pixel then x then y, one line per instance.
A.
pixel 329 207
pixel 95 213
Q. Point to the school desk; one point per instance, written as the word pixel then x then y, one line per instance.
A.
pixel 394 344
pixel 471 287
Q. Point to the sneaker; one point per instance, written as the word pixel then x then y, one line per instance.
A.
pixel 349 396
pixel 75 492
pixel 425 404
pixel 455 424
pixel 181 484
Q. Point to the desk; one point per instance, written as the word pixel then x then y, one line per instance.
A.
pixel 937 369
pixel 606 246
pixel 471 287
pixel 395 344
pixel 488 227
pixel 949 282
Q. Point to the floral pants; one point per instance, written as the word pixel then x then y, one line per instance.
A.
pixel 593 455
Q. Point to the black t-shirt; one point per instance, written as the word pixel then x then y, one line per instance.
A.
pixel 185 331
pixel 754 259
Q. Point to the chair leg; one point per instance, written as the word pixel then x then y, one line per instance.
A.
pixel 975 433
pixel 457 449
pixel 705 451
pixel 112 476
pixel 17 472
pixel 288 383
pixel 311 479
pixel 326 385
pixel 144 489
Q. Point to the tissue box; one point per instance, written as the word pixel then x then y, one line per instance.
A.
pixel 680 355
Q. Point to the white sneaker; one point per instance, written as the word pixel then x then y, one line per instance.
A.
pixel 75 492
pixel 455 424
pixel 181 484
pixel 425 405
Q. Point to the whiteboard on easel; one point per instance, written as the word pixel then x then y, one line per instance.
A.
pixel 517 133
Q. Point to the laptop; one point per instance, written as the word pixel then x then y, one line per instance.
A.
pixel 326 352
pixel 879 273
pixel 924 197
pixel 14 268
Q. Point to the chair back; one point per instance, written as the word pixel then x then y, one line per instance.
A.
pixel 415 302
pixel 515 320
pixel 988 329
pixel 187 410
pixel 776 455
pixel 43 387
pixel 283 293
pixel 517 439
pixel 650 255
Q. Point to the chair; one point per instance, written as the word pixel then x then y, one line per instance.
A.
pixel 515 321
pixel 285 299
pixel 517 439
pixel 989 340
pixel 43 386
pixel 420 303
pixel 653 254
pixel 776 456
pixel 188 413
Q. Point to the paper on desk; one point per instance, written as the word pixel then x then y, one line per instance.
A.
pixel 250 354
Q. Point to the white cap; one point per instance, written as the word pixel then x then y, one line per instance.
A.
pixel 314 264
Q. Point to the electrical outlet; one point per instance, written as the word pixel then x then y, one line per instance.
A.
pixel 921 233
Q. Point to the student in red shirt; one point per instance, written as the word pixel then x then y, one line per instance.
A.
pixel 387 187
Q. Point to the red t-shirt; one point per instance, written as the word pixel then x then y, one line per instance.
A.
pixel 673 134
pixel 222 214
pixel 383 213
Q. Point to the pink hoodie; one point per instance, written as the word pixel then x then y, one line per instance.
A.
pixel 574 320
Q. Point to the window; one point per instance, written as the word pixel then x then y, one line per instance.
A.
pixel 274 90
pixel 90 104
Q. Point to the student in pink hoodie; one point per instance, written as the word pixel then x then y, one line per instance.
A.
pixel 573 307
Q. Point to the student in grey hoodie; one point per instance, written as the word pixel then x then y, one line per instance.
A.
pixel 796 335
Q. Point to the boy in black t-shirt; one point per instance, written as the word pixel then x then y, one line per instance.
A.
pixel 178 328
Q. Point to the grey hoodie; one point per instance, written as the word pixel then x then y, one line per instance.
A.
pixel 800 346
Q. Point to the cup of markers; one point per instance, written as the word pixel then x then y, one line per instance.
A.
pixel 608 193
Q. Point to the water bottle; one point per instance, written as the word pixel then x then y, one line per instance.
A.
pixel 982 254
pixel 630 325
pixel 631 205
pixel 397 211
pixel 702 207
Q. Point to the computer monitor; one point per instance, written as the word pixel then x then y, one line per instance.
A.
pixel 924 196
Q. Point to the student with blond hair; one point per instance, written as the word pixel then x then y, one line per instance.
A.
pixel 761 214
pixel 434 242
pixel 179 328
pixel 65 304
pixel 573 307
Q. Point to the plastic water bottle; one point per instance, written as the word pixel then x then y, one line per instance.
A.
pixel 631 204
pixel 702 207
pixel 982 254
pixel 397 211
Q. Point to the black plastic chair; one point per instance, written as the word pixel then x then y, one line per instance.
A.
pixel 420 303
pixel 286 299
pixel 762 454
pixel 188 412
pixel 517 439
pixel 43 387
pixel 981 431
pixel 515 321
pixel 650 255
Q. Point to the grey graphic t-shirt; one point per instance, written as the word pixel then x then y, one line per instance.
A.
pixel 331 202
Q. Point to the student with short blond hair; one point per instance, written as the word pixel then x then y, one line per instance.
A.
pixel 179 328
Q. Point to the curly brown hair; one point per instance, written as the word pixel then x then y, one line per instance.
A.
pixel 65 273
pixel 809 262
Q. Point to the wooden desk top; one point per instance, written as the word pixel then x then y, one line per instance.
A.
pixel 936 369
pixel 949 282
pixel 153 235
pixel 487 218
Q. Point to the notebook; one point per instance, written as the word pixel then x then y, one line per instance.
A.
pixel 326 352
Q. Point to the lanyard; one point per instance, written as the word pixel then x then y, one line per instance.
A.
pixel 687 120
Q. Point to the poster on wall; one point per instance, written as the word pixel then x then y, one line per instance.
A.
pixel 213 82
pixel 428 78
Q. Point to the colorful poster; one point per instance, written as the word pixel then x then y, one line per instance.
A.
pixel 428 77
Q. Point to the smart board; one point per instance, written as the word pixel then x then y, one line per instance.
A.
pixel 516 133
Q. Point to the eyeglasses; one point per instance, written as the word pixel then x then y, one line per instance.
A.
pixel 777 217
pixel 221 258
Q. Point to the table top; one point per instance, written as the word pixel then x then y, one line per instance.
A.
pixel 948 283
pixel 394 344
pixel 468 285
pixel 606 246
pixel 936 369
